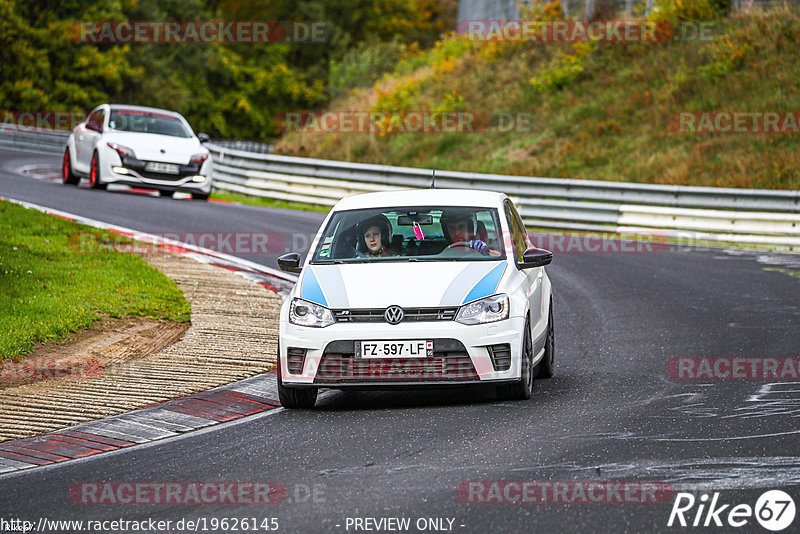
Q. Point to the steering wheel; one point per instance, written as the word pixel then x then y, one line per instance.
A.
pixel 461 244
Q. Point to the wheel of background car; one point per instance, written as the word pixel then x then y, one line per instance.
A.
pixel 165 193
pixel 199 196
pixel 523 388
pixel 94 173
pixel 546 367
pixel 67 176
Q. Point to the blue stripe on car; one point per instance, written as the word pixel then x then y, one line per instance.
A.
pixel 330 277
pixel 311 290
pixel 462 282
pixel 486 285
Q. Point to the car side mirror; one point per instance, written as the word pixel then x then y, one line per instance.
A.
pixel 535 257
pixel 92 126
pixel 203 138
pixel 290 262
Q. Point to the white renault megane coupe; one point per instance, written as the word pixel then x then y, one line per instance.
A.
pixel 138 146
pixel 414 289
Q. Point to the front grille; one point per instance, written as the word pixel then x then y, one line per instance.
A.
pixel 375 315
pixel 294 360
pixel 450 361
pixel 164 177
pixel 501 356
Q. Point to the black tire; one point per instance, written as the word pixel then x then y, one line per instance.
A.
pixel 94 173
pixel 67 176
pixel 199 196
pixel 296 397
pixel 546 367
pixel 165 193
pixel 522 389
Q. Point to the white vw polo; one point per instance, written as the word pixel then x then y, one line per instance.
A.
pixel 138 146
pixel 417 288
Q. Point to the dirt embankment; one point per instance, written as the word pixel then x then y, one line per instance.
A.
pixel 87 353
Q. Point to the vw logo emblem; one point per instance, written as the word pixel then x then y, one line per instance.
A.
pixel 393 314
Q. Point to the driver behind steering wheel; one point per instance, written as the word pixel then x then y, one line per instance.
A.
pixel 459 229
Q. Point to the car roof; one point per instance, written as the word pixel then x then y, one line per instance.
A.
pixel 422 197
pixel 144 108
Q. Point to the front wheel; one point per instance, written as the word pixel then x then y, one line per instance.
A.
pixel 200 196
pixel 522 389
pixel 296 397
pixel 67 176
pixel 94 173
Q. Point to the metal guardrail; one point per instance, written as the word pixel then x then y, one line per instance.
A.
pixel 12 136
pixel 244 145
pixel 750 216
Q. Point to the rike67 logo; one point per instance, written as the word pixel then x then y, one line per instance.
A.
pixel 774 510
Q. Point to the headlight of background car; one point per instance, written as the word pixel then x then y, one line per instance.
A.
pixel 488 310
pixel 123 151
pixel 304 313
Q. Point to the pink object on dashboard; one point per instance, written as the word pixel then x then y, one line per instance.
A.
pixel 418 233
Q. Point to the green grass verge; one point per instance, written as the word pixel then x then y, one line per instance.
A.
pixel 268 202
pixel 50 287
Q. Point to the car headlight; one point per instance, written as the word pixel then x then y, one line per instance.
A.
pixel 488 310
pixel 123 151
pixel 198 159
pixel 304 313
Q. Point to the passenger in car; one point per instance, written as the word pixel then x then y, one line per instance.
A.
pixel 375 237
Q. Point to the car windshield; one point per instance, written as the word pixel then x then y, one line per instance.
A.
pixel 411 234
pixel 133 120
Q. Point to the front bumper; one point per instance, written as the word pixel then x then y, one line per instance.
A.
pixel 131 172
pixel 461 354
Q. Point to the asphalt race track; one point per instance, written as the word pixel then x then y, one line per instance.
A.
pixel 611 414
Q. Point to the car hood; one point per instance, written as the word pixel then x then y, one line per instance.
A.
pixel 149 147
pixel 406 284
